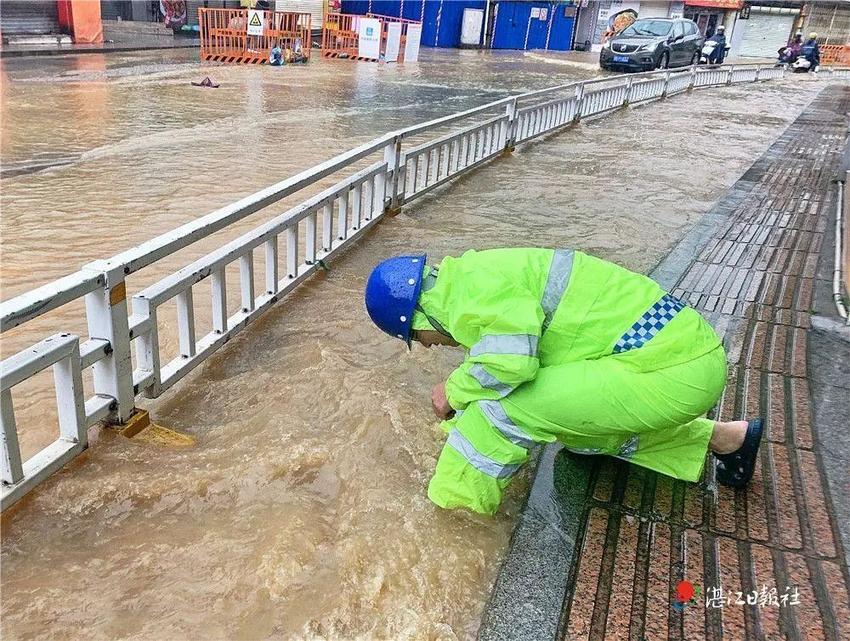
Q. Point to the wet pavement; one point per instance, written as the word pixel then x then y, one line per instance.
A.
pixel 616 540
pixel 301 512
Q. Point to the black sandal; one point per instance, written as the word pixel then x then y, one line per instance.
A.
pixel 736 468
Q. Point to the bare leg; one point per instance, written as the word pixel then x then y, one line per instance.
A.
pixel 727 437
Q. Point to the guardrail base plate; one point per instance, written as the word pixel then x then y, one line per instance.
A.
pixel 140 428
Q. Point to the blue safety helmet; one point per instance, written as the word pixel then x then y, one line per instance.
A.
pixel 392 292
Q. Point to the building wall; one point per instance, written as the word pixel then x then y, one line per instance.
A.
pixel 653 9
pixel 586 24
pixel 442 21
pixel 532 25
pixel 831 21
pixel 736 35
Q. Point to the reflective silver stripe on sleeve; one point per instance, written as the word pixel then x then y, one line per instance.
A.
pixel 497 416
pixel 429 280
pixel 556 283
pixel 518 344
pixel 476 459
pixel 488 381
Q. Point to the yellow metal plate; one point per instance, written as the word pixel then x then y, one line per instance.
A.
pixel 139 428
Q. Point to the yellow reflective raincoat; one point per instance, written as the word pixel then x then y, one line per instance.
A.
pixel 564 346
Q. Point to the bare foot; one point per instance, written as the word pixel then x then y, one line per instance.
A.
pixel 728 437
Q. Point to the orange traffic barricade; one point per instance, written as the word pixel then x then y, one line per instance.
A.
pixel 835 54
pixel 341 34
pixel 225 38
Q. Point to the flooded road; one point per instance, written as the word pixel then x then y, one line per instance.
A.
pixel 301 512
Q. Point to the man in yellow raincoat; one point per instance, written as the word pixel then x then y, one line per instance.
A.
pixel 560 346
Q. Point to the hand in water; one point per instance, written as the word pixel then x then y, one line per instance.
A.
pixel 440 403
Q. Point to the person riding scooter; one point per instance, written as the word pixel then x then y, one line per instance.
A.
pixel 790 53
pixel 811 51
pixel 717 54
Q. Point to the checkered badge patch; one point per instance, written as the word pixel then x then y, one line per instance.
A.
pixel 648 325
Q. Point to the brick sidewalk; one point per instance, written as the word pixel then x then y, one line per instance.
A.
pixel 601 545
pixel 646 532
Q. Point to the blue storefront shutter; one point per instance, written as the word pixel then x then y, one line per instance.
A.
pixel 359 7
pixel 429 22
pixel 511 21
pixel 442 21
pixel 537 28
pixel 413 9
pixel 519 26
pixel 386 8
pixel 561 36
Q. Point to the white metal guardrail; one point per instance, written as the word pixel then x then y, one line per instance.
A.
pixel 326 222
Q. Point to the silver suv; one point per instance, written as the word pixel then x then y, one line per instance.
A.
pixel 653 43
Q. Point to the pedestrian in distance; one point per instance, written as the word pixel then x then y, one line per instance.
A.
pixel 560 346
pixel 276 57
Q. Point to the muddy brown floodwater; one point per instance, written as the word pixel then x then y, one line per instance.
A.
pixel 301 512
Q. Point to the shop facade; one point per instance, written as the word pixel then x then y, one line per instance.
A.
pixel 594 17
pixel 78 19
pixel 710 14
pixel 764 27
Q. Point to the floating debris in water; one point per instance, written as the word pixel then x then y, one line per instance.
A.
pixel 206 82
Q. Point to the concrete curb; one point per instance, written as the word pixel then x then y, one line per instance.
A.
pixel 532 585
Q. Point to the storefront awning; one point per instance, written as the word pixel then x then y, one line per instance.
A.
pixel 716 4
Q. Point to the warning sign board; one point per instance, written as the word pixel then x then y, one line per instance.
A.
pixel 411 45
pixel 393 42
pixel 369 41
pixel 256 22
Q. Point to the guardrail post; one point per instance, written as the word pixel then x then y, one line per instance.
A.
pixel 666 82
pixel 106 314
pixel 147 345
pixel 579 103
pixel 628 94
pixel 756 79
pixel 693 79
pixel 729 75
pixel 510 132
pixel 392 156
pixel 11 468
